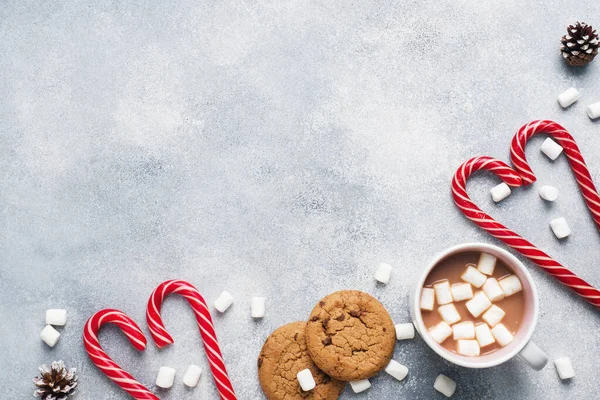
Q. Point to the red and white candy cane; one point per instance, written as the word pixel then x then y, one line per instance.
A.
pixel 205 324
pixel 571 150
pixel 104 362
pixel 499 231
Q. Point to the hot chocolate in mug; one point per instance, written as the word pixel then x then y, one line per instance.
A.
pixel 521 344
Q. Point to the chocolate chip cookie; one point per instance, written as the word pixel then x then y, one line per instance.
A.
pixel 283 355
pixel 350 335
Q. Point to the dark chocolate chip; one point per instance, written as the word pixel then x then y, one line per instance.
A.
pixel 341 317
pixel 355 314
pixel 322 303
pixel 259 363
pixel 326 341
pixel 325 323
pixel 315 318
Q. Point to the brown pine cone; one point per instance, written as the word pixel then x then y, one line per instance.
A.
pixel 580 44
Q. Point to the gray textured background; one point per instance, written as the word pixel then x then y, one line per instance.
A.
pixel 275 148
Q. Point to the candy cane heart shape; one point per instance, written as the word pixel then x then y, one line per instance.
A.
pixel 578 165
pixel 499 231
pixel 104 362
pixel 205 324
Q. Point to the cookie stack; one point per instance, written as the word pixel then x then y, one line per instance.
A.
pixel 349 337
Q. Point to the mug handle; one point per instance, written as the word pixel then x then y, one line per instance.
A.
pixel 534 356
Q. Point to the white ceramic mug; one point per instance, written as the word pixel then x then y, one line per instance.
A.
pixel 521 344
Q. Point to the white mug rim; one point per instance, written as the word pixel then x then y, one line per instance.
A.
pixel 513 262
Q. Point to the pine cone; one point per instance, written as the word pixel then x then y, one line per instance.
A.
pixel 56 382
pixel 580 44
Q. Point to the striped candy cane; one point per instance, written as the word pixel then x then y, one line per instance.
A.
pixel 104 362
pixel 205 324
pixel 578 165
pixel 499 231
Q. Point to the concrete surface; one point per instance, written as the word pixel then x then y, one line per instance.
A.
pixel 275 148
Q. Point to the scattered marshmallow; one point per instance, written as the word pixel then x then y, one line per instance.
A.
pixel 502 335
pixel 568 97
pixel 487 263
pixel 49 335
pixel 383 273
pixel 493 316
pixel 484 336
pixel 449 313
pixel 257 305
pixel 397 370
pixel 360 386
pixel 463 330
pixel 444 385
pixel 192 376
pixel 560 228
pixel 405 331
pixel 510 285
pixel 443 293
pixel 564 368
pixel 473 276
pixel 441 332
pixel 461 291
pixel 500 192
pixel 165 377
pixel 306 380
pixel 56 317
pixel 593 110
pixel 492 290
pixel 478 304
pixel 551 149
pixel 469 348
pixel 224 301
pixel 548 193
pixel 427 299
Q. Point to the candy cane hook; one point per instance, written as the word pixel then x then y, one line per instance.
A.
pixel 205 324
pixel 578 165
pixel 104 362
pixel 499 231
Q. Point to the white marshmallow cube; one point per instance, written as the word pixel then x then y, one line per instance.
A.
pixel 443 294
pixel 484 336
pixel 397 370
pixel 487 263
pixel 510 285
pixel 478 304
pixel 360 386
pixel 560 228
pixel 492 290
pixel 548 193
pixel 306 380
pixel 500 192
pixel 461 291
pixel 469 348
pixel 568 97
pixel 383 273
pixel 473 276
pixel 224 301
pixel 192 376
pixel 551 149
pixel 593 110
pixel 427 299
pixel 405 331
pixel 56 317
pixel 444 385
pixel 441 332
pixel 165 377
pixel 564 368
pixel 257 306
pixel 493 316
pixel 502 335
pixel 449 313
pixel 463 330
pixel 50 335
